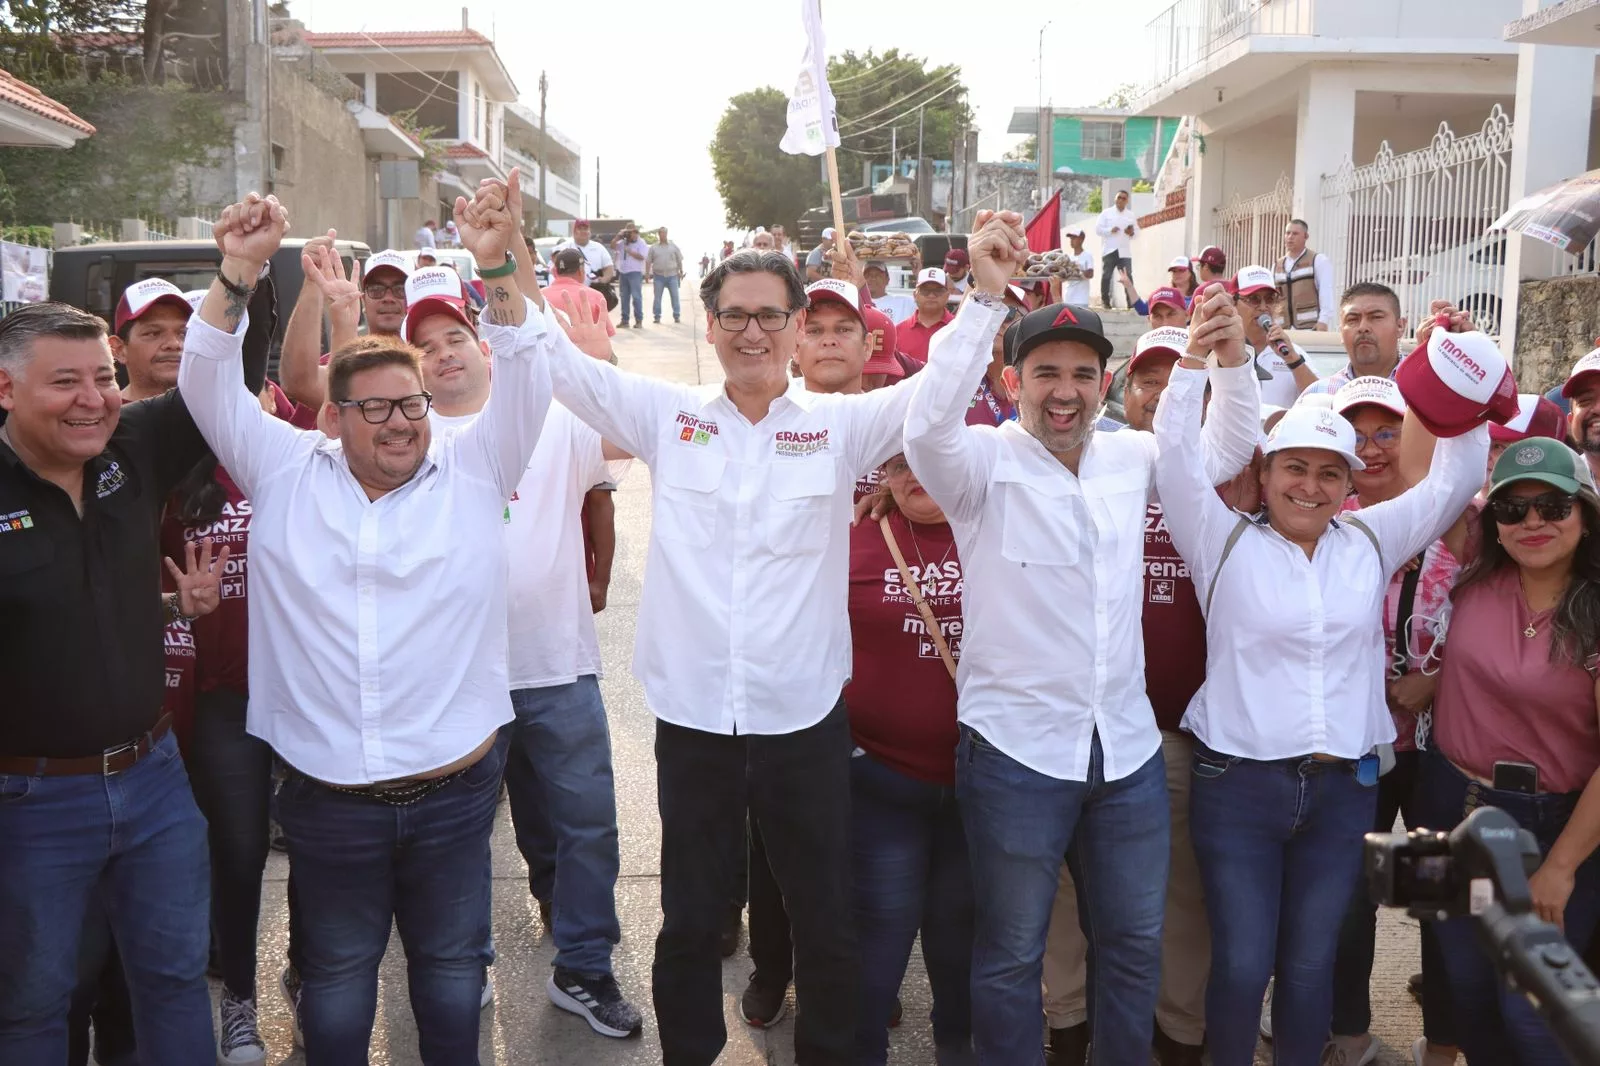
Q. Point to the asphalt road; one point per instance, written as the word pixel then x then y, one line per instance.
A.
pixel 522 1028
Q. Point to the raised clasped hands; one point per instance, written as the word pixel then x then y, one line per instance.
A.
pixel 1215 326
pixel 997 250
pixel 251 230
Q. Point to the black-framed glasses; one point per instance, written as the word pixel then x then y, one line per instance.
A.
pixel 737 321
pixel 1552 507
pixel 378 410
pixel 1385 438
pixel 378 290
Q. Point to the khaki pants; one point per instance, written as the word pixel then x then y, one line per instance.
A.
pixel 1185 937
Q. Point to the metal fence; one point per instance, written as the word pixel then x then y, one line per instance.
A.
pixel 1250 229
pixel 1191 31
pixel 1416 221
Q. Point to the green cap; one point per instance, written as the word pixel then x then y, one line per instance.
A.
pixel 1537 459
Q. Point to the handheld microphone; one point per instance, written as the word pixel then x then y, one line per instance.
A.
pixel 1266 323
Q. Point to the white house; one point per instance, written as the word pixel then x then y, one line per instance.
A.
pixel 29 118
pixel 1397 129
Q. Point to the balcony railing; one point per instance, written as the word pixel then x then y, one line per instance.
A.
pixel 1192 31
pixel 560 194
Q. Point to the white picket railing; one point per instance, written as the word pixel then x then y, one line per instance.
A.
pixel 1250 229
pixel 1416 222
pixel 1191 31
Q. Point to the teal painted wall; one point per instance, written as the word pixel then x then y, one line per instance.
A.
pixel 1144 145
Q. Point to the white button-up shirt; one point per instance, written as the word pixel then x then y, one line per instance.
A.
pixel 1052 648
pixel 1294 646
pixel 377 627
pixel 742 621
pixel 1121 243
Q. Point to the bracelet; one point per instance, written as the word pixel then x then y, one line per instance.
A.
pixel 505 270
pixel 1299 361
pixel 174 611
pixel 240 291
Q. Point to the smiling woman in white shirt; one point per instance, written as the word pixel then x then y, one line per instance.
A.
pixel 1292 709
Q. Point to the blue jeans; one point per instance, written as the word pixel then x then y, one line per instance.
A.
pixel 564 810
pixel 1279 846
pixel 133 844
pixel 911 873
pixel 1116 837
pixel 1497 1028
pixel 671 285
pixel 631 291
pixel 360 865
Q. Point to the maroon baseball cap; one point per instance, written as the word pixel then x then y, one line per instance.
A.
pixel 1457 381
pixel 1536 417
pixel 957 256
pixel 1213 257
pixel 141 296
pixel 834 290
pixel 1169 296
pixel 881 329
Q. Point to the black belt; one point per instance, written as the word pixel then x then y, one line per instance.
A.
pixel 396 793
pixel 111 761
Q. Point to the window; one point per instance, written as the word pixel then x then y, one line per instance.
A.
pixel 1102 140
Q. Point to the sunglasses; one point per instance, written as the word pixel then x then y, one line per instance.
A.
pixel 1552 507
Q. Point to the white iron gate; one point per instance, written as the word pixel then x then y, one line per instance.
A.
pixel 1250 230
pixel 1416 222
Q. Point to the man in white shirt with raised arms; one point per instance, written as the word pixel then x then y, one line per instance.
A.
pixel 378 635
pixel 1060 755
pixel 743 642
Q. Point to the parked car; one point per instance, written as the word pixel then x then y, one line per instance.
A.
pixel 1469 275
pixel 911 225
pixel 93 276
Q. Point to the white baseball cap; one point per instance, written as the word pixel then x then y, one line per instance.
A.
pixel 387 258
pixel 143 295
pixel 1589 364
pixel 829 234
pixel 837 291
pixel 1305 426
pixel 1168 340
pixel 1180 263
pixel 435 291
pixel 196 297
pixel 932 276
pixel 1074 230
pixel 1369 389
pixel 1253 279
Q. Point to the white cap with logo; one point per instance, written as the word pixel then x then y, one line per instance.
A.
pixel 387 258
pixel 1369 389
pixel 837 291
pixel 932 276
pixel 433 291
pixel 1167 339
pixel 1307 426
pixel 1254 279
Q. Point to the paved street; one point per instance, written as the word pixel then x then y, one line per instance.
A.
pixel 522 1027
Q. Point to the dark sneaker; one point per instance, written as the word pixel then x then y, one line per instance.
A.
pixel 728 939
pixel 241 1042
pixel 1070 1046
pixel 896 1013
pixel 290 983
pixel 597 1000
pixel 763 1002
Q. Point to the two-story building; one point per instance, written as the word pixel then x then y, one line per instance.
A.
pixel 1397 129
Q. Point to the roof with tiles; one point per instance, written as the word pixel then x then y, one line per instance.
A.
pixel 18 93
pixel 400 39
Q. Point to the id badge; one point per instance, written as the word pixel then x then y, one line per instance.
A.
pixel 1367 769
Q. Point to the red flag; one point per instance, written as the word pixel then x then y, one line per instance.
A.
pixel 1044 229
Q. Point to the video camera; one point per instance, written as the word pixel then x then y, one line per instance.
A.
pixel 1481 869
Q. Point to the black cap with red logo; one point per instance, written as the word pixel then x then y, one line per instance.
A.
pixel 1059 322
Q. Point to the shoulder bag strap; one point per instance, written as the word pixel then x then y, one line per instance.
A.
pixel 928 620
pixel 1367 532
pixel 1402 621
pixel 1227 550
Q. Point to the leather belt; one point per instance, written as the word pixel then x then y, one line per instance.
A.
pixel 111 761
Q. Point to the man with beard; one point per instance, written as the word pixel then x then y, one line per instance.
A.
pixel 1060 754
pixel 378 634
pixel 1582 390
pixel 1370 324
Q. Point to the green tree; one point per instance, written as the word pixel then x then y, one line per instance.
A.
pixel 878 98
pixel 132 166
pixel 760 184
pixel 1122 96
pixel 1026 151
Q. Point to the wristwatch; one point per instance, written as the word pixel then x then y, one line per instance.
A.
pixel 993 303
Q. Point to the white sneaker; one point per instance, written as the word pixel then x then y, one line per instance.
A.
pixel 1266 1014
pixel 289 982
pixel 488 991
pixel 241 1042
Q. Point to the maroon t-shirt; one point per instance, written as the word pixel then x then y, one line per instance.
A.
pixel 219 650
pixel 1174 629
pixel 901 699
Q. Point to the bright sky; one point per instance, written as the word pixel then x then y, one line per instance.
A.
pixel 640 84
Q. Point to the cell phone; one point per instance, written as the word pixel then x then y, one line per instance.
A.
pixel 1516 777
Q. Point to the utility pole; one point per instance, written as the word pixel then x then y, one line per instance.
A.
pixel 597 211
pixel 544 153
pixel 1038 143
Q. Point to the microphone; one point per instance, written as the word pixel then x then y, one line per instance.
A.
pixel 1266 323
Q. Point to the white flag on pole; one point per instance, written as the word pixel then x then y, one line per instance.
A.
pixel 813 121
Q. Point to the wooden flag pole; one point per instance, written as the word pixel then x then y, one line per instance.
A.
pixel 833 189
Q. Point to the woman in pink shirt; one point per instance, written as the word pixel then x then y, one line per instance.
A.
pixel 1518 690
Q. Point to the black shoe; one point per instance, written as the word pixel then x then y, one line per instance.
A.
pixel 597 1000
pixel 896 1013
pixel 728 939
pixel 1414 986
pixel 1069 1047
pixel 1171 1053
pixel 763 1002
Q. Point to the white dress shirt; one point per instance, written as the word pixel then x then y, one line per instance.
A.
pixel 377 627
pixel 1280 390
pixel 742 621
pixel 1121 243
pixel 595 256
pixel 1053 649
pixel 550 624
pixel 1294 646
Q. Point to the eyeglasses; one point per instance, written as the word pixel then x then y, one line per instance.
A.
pixel 1552 507
pixel 896 467
pixel 1384 438
pixel 737 321
pixel 377 410
pixel 378 291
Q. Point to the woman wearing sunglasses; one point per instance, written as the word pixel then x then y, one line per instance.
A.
pixel 1516 723
pixel 1417 594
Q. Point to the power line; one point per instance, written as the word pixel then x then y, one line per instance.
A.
pixel 903 114
pixel 925 86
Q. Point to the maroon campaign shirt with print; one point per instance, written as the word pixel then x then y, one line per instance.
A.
pixel 901 699
pixel 1174 629
pixel 219 652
